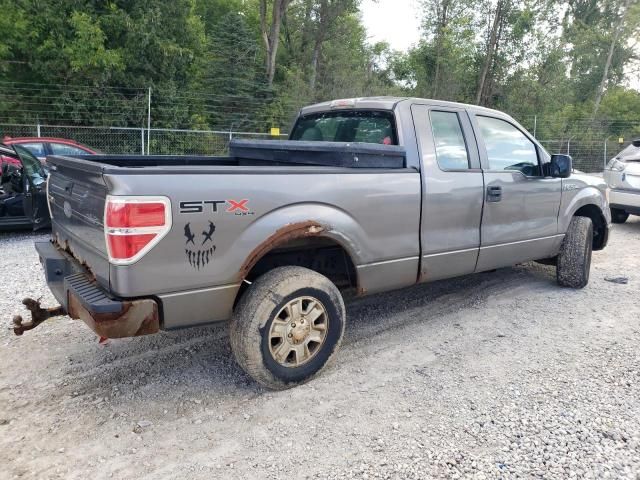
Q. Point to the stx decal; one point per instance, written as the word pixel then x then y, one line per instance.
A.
pixel 236 207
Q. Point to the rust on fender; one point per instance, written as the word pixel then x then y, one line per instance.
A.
pixel 280 237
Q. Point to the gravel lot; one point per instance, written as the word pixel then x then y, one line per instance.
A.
pixel 497 375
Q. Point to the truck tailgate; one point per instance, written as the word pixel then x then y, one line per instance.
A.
pixel 77 195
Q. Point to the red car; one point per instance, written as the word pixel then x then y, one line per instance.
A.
pixel 43 146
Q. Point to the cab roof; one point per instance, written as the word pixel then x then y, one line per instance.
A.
pixel 389 103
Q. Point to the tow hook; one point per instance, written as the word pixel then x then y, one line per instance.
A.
pixel 38 315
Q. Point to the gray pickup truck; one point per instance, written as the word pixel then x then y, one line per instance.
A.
pixel 368 195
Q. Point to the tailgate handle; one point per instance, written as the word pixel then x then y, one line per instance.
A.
pixel 68 187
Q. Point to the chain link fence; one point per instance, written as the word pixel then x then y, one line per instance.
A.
pixel 138 141
pixel 588 156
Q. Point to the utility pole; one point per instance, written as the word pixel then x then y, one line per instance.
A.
pixel 149 122
pixel 605 151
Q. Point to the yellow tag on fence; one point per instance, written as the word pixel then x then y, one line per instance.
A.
pixel 275 132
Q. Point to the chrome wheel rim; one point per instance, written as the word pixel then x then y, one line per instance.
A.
pixel 298 332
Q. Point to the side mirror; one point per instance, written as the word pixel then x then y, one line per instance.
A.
pixel 561 166
pixel 636 143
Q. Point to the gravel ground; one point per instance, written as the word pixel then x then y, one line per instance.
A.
pixel 497 375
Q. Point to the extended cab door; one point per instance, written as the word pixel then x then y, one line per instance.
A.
pixel 453 192
pixel 520 217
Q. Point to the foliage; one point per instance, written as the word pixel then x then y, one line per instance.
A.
pixel 232 64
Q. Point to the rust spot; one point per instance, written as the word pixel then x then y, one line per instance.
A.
pixel 38 315
pixel 137 318
pixel 65 246
pixel 81 260
pixel 361 291
pixel 285 234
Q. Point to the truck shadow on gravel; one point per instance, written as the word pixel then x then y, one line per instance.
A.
pixel 630 226
pixel 199 363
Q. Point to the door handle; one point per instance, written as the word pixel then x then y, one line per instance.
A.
pixel 494 194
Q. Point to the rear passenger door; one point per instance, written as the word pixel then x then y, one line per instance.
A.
pixel 453 192
pixel 34 178
pixel 520 217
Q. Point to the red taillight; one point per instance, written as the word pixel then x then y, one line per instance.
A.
pixel 135 215
pixel 134 225
pixel 127 246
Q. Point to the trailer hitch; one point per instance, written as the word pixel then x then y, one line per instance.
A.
pixel 38 315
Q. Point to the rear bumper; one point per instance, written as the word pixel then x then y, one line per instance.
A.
pixel 82 298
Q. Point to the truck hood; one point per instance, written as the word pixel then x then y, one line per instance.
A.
pixel 586 180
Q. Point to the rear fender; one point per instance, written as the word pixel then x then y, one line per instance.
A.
pixel 281 226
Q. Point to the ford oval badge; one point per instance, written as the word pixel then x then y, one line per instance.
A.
pixel 66 207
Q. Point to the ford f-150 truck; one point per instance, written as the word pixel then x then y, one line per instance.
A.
pixel 368 195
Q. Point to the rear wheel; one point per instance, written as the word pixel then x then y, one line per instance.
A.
pixel 618 215
pixel 574 259
pixel 287 327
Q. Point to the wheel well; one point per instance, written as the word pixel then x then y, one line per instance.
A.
pixel 319 254
pixel 599 224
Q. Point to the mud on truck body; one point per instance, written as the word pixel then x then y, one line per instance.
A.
pixel 368 195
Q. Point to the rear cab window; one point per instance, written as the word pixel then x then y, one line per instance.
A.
pixel 361 126
pixel 451 148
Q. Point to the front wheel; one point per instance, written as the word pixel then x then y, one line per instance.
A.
pixel 574 259
pixel 287 327
pixel 619 216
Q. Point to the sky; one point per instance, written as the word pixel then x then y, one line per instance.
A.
pixel 394 21
pixel 398 23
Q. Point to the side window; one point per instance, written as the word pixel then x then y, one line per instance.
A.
pixel 36 149
pixel 62 149
pixel 451 149
pixel 508 148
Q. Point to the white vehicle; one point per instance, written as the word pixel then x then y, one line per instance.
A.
pixel 623 178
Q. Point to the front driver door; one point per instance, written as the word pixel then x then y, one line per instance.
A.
pixel 34 179
pixel 520 216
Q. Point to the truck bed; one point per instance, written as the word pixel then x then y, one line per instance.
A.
pixel 282 153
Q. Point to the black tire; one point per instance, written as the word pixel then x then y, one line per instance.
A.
pixel 619 216
pixel 263 303
pixel 574 259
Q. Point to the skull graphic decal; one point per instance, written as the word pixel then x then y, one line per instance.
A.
pixel 199 254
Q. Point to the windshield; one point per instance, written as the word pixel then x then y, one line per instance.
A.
pixel 629 154
pixel 347 126
pixel 31 166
